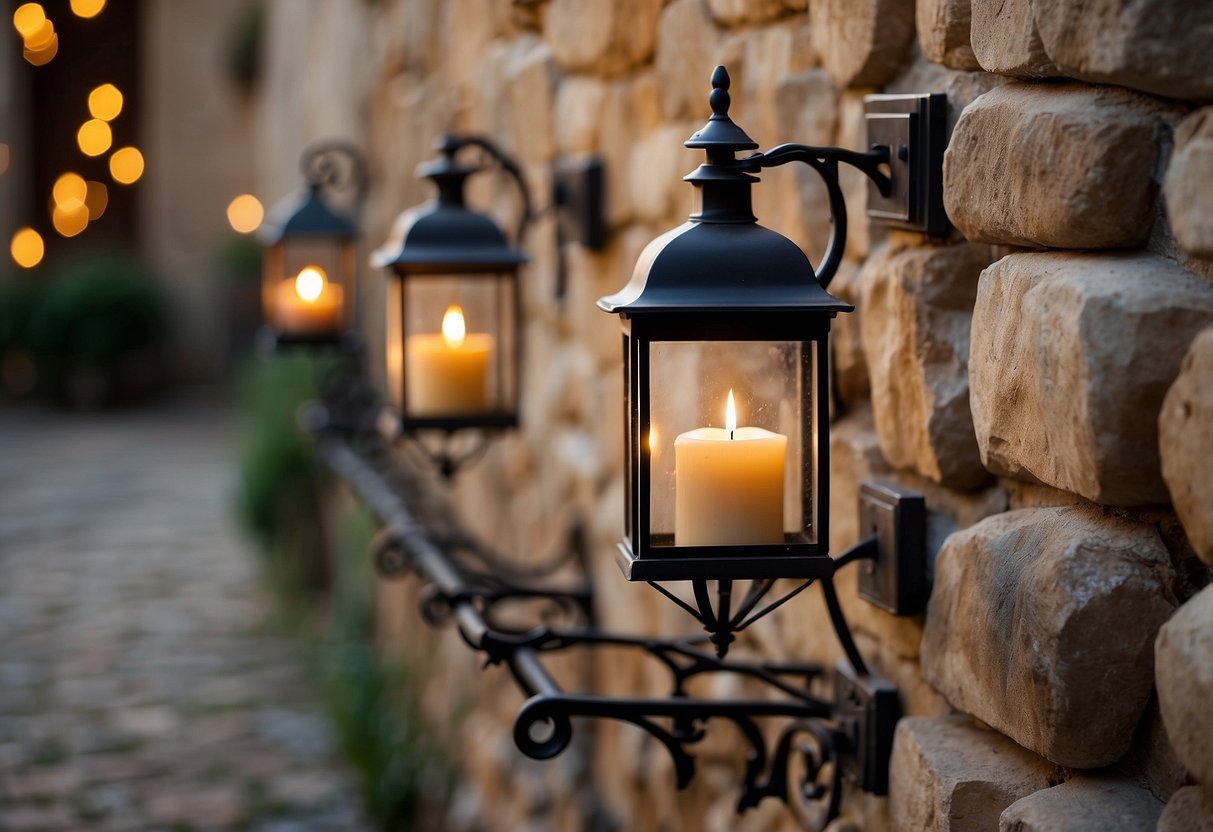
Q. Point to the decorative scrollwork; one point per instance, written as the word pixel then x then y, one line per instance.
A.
pixel 335 167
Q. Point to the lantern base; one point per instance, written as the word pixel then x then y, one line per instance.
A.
pixel 270 341
pixel 731 568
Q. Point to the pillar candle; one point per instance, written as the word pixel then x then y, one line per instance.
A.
pixel 728 485
pixel 307 304
pixel 448 372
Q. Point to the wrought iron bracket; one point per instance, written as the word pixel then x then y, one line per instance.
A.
pixel 844 735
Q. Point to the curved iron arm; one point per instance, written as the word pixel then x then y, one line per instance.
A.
pixel 512 169
pixel 676 721
pixel 825 161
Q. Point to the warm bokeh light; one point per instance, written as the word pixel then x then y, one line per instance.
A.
pixel 70 218
pixel 28 19
pixel 3 158
pixel 309 284
pixel 94 137
pixel 41 39
pixel 454 328
pixel 43 56
pixel 87 8
pixel 126 165
pixel 244 213
pixel 96 200
pixel 69 188
pixel 105 102
pixel 27 248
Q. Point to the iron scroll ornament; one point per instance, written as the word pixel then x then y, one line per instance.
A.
pixel 821 742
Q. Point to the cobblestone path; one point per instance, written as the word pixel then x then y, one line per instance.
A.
pixel 142 684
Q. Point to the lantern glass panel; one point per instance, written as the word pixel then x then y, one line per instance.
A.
pixel 307 285
pixel 452 346
pixel 716 481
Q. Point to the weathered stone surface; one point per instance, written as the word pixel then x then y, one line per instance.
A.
pixel 631 108
pixel 1189 810
pixel 1110 804
pixel 607 36
pixel 733 12
pixel 1005 39
pixel 1071 357
pixel 1185 683
pixel 915 318
pixel 862 42
pixel 948 775
pixel 687 43
pixel 850 371
pixel 1188 198
pixel 659 161
pixel 1091 151
pixel 1160 47
pixel 943 33
pixel 1016 632
pixel 578 114
pixel 1185 435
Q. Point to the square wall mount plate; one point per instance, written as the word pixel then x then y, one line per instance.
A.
pixel 914 128
pixel 896 581
pixel 579 185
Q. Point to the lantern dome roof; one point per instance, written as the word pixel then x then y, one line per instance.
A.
pixel 305 214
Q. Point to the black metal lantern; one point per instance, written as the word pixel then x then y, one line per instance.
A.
pixel 725 328
pixel 453 306
pixel 309 269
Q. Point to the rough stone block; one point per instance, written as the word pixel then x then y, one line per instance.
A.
pixel 1071 357
pixel 948 775
pixel 943 33
pixel 1110 804
pixel 632 108
pixel 1091 153
pixel 1189 810
pixel 606 36
pixel 1185 435
pixel 1186 191
pixel 850 374
pixel 1041 624
pixel 915 313
pixel 1160 47
pixel 578 114
pixel 734 12
pixel 1185 683
pixel 687 44
pixel 1005 39
pixel 862 42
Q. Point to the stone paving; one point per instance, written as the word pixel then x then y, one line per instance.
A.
pixel 143 684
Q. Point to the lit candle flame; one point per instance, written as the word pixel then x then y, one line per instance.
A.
pixel 453 327
pixel 309 284
pixel 730 415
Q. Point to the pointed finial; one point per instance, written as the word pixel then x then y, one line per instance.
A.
pixel 720 133
pixel 719 99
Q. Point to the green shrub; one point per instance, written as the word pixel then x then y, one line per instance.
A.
pixel 279 473
pixel 374 702
pixel 97 311
pixel 238 258
pixel 18 300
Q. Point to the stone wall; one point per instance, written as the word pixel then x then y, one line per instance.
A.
pixel 1040 376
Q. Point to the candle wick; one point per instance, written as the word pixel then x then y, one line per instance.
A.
pixel 730 434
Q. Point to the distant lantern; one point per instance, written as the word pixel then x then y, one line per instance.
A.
pixel 309 268
pixel 453 307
